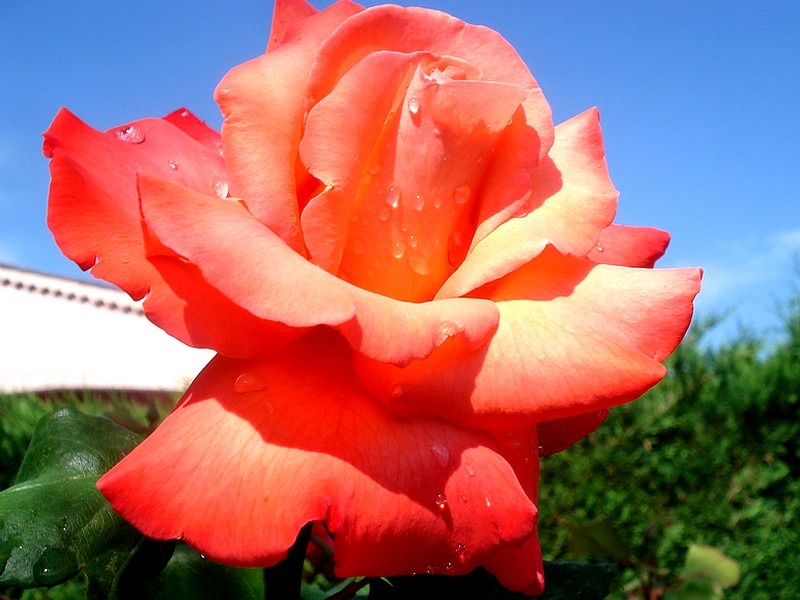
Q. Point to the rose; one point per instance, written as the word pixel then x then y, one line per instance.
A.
pixel 411 279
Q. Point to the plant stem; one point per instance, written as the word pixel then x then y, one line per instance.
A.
pixel 282 582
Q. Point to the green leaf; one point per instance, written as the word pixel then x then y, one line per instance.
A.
pixel 705 563
pixel 54 522
pixel 599 539
pixel 189 575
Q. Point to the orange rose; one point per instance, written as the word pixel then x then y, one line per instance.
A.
pixel 407 273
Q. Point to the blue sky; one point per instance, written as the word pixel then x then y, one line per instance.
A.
pixel 699 104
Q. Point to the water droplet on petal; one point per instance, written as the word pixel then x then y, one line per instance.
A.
pixel 130 134
pixel 464 498
pixel 461 194
pixel 398 249
pixel 488 502
pixel 413 106
pixel 437 202
pixel 441 453
pixel 430 570
pixel 249 382
pixel 397 391
pixel 221 189
pixel 173 165
pixel 374 169
pixel 448 566
pixel 419 264
pixel 448 329
pixel 440 501
pixel 419 203
pixel 270 408
pixel 470 471
pixel 599 248
pixel 184 113
pixel 384 213
pixel 412 241
pixel 460 548
pixel 392 196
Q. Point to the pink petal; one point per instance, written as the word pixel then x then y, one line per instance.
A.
pixel 572 200
pixel 263 104
pixel 253 268
pixel 630 246
pixel 244 462
pixel 573 337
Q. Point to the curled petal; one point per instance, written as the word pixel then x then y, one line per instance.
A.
pixel 630 246
pixel 573 337
pixel 93 190
pixel 195 128
pixel 263 105
pixel 572 200
pixel 560 434
pixel 253 268
pixel 244 462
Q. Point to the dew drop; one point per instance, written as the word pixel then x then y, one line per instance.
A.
pixel 184 113
pixel 365 179
pixel 53 566
pixel 221 189
pixel 437 202
pixel 413 106
pixel 392 196
pixel 419 264
pixel 440 501
pixel 384 213
pixel 461 194
pixel 488 502
pixel 430 570
pixel 397 391
pixel 248 382
pixel 374 169
pixel 442 455
pixel 599 248
pixel 464 498
pixel 419 203
pixel 270 408
pixel 130 134
pixel 398 249
pixel 470 471
pixel 412 241
pixel 448 329
pixel 173 165
pixel 448 566
pixel 460 548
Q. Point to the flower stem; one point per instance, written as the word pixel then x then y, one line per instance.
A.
pixel 282 581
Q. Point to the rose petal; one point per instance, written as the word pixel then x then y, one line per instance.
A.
pixel 560 434
pixel 403 171
pixel 263 104
pixel 93 190
pixel 257 271
pixel 572 200
pixel 393 28
pixel 244 462
pixel 195 128
pixel 285 14
pixel 630 246
pixel 573 337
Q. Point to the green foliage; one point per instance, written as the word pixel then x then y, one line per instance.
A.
pixel 710 456
pixel 54 523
